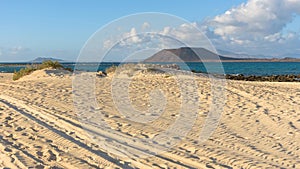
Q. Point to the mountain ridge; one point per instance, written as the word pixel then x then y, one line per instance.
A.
pixel 189 54
pixel 42 59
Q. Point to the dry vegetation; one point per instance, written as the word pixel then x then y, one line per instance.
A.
pixel 31 68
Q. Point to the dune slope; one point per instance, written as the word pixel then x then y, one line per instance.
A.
pixel 259 127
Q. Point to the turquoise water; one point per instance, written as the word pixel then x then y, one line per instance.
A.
pixel 245 68
pixel 251 68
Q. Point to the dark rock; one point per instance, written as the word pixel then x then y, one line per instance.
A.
pixel 272 78
pixel 101 74
pixel 196 71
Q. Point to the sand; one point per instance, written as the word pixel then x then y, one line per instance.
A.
pixel 40 127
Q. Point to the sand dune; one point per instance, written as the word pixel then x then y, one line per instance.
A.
pixel 259 126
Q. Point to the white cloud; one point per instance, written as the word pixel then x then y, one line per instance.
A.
pixel 183 32
pixel 145 26
pixel 187 34
pixel 166 30
pixel 127 38
pixel 257 26
pixel 16 53
pixel 136 39
pixel 255 19
pixel 132 36
pixel 254 27
pixel 166 37
pixel 17 50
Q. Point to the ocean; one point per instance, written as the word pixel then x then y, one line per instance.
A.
pixel 245 68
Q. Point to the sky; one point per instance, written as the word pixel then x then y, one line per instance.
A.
pixel 61 28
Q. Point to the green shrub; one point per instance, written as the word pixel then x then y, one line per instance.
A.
pixel 69 69
pixel 50 64
pixel 111 69
pixel 31 68
pixel 23 72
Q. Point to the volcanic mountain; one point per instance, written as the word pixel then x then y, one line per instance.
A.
pixel 187 54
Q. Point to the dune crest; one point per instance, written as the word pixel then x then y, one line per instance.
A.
pixel 47 73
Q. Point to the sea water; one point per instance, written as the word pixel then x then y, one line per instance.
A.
pixel 245 68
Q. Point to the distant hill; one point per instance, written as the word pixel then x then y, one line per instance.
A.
pixel 187 54
pixel 240 55
pixel 42 59
pixel 291 55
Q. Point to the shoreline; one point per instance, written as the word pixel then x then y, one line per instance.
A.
pixel 237 77
pixel 205 61
pixel 231 68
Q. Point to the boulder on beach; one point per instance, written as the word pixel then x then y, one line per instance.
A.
pixel 101 74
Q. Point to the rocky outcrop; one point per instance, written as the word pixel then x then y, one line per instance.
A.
pixel 272 78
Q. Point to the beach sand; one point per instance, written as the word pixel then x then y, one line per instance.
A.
pixel 259 126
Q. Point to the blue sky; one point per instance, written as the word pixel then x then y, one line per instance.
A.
pixel 59 28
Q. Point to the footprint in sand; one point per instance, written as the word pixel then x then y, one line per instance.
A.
pixel 8 150
pixel 19 129
pixel 50 155
pixel 8 118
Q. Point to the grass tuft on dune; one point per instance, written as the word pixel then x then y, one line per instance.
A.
pixel 31 68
